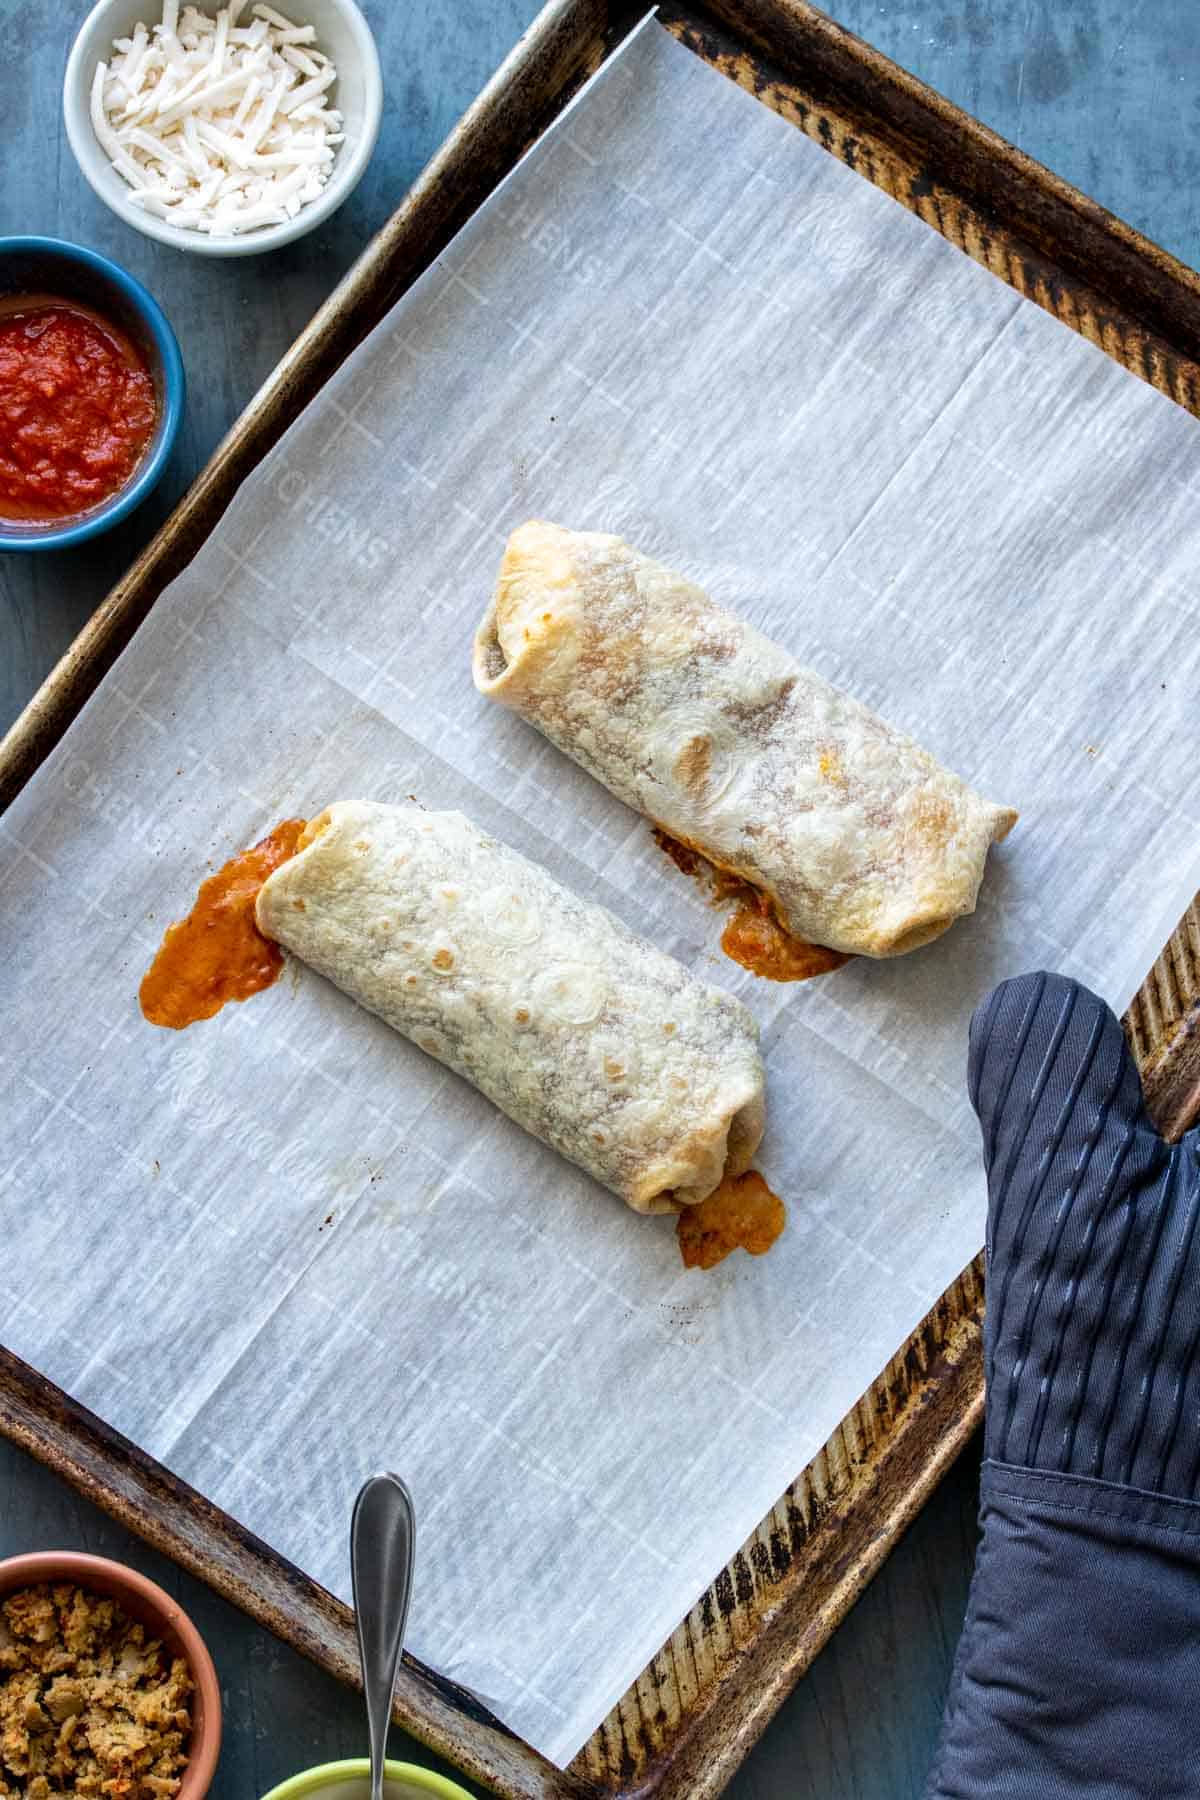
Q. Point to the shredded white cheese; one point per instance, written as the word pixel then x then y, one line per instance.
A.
pixel 219 126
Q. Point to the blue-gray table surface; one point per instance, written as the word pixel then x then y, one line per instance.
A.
pixel 1106 94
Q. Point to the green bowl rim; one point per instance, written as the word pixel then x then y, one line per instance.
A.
pixel 323 1773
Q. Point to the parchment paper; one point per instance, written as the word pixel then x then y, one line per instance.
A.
pixel 284 1248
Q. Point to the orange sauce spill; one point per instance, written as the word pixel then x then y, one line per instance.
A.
pixel 218 953
pixel 743 1214
pixel 753 937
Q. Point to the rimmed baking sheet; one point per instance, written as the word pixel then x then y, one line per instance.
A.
pixel 363 754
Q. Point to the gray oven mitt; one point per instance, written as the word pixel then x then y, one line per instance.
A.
pixel 1078 1672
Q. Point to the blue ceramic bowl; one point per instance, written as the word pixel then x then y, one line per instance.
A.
pixel 39 265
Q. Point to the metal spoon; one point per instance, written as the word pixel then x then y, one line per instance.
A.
pixel 382 1539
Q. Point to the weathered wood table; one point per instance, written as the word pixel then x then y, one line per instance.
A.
pixel 1106 94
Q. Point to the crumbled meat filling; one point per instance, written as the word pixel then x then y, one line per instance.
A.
pixel 89 1704
pixel 754 937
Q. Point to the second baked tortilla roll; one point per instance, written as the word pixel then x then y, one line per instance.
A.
pixel 600 1045
pixel 860 840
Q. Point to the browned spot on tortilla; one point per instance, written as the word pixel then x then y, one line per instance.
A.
pixel 718 649
pixel 443 959
pixel 693 764
pixel 757 717
pixel 742 1214
pixel 932 819
pixel 754 936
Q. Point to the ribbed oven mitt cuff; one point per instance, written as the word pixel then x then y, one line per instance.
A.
pixel 1078 1671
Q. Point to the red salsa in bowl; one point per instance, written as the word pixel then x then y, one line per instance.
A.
pixel 78 407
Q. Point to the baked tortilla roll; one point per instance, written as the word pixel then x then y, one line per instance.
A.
pixel 597 1043
pixel 858 839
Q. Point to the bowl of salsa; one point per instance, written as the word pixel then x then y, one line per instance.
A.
pixel 91 393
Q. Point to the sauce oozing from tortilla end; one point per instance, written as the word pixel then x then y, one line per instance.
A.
pixel 759 943
pixel 753 937
pixel 742 1214
pixel 217 953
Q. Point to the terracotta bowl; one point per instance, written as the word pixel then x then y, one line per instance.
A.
pixel 163 1617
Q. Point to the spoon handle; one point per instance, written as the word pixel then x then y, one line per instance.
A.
pixel 382 1538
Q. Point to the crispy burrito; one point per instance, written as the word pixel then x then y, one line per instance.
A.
pixel 855 836
pixel 588 1037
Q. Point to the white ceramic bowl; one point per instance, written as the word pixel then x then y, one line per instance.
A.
pixel 342 33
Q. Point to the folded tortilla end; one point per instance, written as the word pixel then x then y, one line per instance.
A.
pixel 266 902
pixel 530 628
pixel 313 830
pixel 897 930
pixel 910 934
pixel 698 1164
